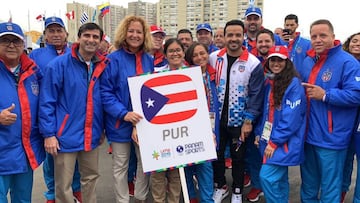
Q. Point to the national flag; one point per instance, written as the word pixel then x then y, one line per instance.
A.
pixel 70 15
pixel 40 17
pixel 168 99
pixel 104 9
pixel 84 17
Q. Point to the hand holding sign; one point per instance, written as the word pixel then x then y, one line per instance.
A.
pixel 6 117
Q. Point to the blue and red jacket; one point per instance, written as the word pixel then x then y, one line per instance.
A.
pixel 331 122
pixel 70 101
pixel 288 125
pixel 45 54
pixel 115 91
pixel 20 143
pixel 297 50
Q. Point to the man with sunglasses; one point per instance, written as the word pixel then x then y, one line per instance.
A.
pixel 21 145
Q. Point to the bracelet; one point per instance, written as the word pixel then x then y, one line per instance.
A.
pixel 248 121
pixel 324 97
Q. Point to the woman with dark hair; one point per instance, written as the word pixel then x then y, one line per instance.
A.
pixel 281 129
pixel 198 55
pixel 166 185
pixel 352 46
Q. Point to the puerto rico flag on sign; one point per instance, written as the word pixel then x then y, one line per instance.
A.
pixel 176 128
pixel 168 99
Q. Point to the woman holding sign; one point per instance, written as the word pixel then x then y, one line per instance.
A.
pixel 280 132
pixel 170 190
pixel 197 55
pixel 132 41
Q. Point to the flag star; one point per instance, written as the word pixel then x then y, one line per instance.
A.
pixel 150 103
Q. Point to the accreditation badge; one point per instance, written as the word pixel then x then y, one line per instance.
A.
pixel 266 131
pixel 212 120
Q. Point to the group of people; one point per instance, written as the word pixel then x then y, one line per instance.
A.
pixel 276 101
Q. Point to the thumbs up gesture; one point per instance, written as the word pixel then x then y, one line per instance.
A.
pixel 6 117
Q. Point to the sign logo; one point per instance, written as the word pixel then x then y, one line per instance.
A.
pixel 163 101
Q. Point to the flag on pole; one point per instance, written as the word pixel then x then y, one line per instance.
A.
pixel 104 9
pixel 10 18
pixel 94 16
pixel 40 17
pixel 70 15
pixel 84 17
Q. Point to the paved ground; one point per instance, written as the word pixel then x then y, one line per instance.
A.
pixel 105 192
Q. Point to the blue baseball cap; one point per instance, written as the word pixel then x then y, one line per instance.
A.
pixel 204 26
pixel 253 11
pixel 54 20
pixel 11 29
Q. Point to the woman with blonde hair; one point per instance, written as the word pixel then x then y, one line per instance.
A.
pixel 132 42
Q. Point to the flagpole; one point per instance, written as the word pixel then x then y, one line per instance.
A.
pixel 29 20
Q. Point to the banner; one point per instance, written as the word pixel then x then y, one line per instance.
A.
pixel 176 128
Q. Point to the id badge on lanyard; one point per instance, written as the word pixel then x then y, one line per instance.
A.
pixel 212 120
pixel 266 131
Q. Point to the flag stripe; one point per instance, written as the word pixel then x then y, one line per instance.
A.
pixel 174 88
pixel 167 80
pixel 181 96
pixel 179 106
pixel 174 117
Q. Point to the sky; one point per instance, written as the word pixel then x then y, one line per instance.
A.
pixel 343 15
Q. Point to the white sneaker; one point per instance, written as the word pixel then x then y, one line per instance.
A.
pixel 220 194
pixel 236 198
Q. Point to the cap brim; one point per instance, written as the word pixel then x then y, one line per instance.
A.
pixel 12 33
pixel 278 55
pixel 253 13
pixel 203 29
pixel 158 31
pixel 51 23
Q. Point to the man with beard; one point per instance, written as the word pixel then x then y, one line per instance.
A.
pixel 185 37
pixel 204 35
pixel 297 45
pixel 264 41
pixel 240 80
pixel 253 24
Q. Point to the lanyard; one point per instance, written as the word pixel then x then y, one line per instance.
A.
pixel 209 96
pixel 90 70
pixel 270 105
pixel 16 73
pixel 293 50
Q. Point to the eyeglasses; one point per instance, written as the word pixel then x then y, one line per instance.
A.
pixel 276 59
pixel 173 51
pixel 6 42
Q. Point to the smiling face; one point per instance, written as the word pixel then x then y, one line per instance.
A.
pixel 322 38
pixel 354 46
pixel 263 43
pixel 175 55
pixel 234 37
pixel 200 56
pixel 135 36
pixel 276 64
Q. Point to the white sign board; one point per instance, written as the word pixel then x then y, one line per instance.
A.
pixel 175 129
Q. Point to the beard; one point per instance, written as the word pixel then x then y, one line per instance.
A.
pixel 234 46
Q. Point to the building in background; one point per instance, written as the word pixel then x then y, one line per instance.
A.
pixel 144 9
pixel 83 13
pixel 171 15
pixel 174 15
